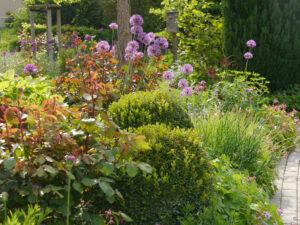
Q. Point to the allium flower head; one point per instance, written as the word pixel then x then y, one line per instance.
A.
pixel 187 91
pixel 136 30
pixel 30 68
pixel 248 55
pixel 113 26
pixel 23 42
pixel 251 44
pixel 4 196
pixel 279 211
pixel 168 75
pixel 133 45
pixel 4 53
pixel 103 46
pixel 162 43
pixel 145 39
pixel 153 50
pixel 187 69
pixel 136 20
pixel 151 36
pixel 182 83
pixel 88 38
pixel 51 42
pixel 70 157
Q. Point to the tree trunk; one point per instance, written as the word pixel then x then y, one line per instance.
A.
pixel 123 16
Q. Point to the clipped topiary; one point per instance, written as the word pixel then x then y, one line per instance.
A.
pixel 181 175
pixel 142 108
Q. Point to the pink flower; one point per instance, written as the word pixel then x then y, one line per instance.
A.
pixel 251 44
pixel 248 55
pixel 279 211
pixel 113 26
pixel 275 101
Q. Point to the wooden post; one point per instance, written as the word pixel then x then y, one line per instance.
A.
pixel 49 34
pixel 58 12
pixel 32 26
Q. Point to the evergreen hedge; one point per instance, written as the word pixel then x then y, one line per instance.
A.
pixel 275 26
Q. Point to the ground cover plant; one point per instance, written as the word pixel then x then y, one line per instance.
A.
pixel 99 144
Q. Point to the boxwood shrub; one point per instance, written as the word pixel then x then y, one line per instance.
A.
pixel 181 175
pixel 142 108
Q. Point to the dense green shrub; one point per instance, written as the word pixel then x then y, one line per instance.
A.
pixel 239 200
pixel 181 175
pixel 274 25
pixel 240 137
pixel 142 108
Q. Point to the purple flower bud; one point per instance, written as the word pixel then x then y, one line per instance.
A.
pixel 70 158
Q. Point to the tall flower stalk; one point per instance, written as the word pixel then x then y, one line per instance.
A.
pixel 5 198
pixel 69 165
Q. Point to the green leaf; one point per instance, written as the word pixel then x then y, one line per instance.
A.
pixel 110 156
pixel 53 171
pixel 145 167
pixel 108 168
pixel 9 163
pixel 70 175
pixel 89 182
pixel 77 186
pixel 31 198
pixel 106 188
pixel 126 218
pixel 87 96
pixel 131 169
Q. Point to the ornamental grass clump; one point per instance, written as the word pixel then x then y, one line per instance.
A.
pixel 142 108
pixel 182 174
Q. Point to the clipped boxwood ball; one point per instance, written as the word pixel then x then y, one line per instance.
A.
pixel 142 108
pixel 182 175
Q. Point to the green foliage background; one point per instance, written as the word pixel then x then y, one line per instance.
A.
pixel 275 26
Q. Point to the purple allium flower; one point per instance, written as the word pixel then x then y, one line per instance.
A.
pixel 130 56
pixel 153 50
pixel 88 38
pixel 34 46
pixel 101 29
pixel 136 30
pixel 4 196
pixel 36 187
pixel 162 43
pixel 168 75
pixel 136 20
pixel 248 55
pixel 16 75
pixel 4 53
pixel 30 68
pixel 113 26
pixel 251 44
pixel 23 42
pixel 70 157
pixel 140 54
pixel 202 83
pixel 267 216
pixel 187 91
pixel 51 42
pixel 133 45
pixel 183 83
pixel 66 47
pixel 103 46
pixel 145 39
pixel 74 36
pixel 151 36
pixel 246 90
pixel 187 69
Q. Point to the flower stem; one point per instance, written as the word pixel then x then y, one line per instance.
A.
pixel 68 201
pixel 5 211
